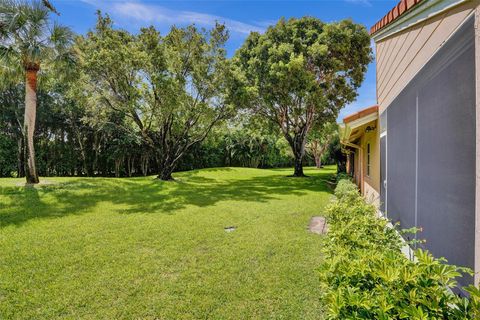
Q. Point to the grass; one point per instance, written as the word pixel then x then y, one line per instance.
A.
pixel 139 248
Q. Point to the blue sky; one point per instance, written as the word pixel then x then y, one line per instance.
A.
pixel 241 17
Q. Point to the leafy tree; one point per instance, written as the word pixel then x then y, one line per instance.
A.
pixel 172 89
pixel 319 140
pixel 300 73
pixel 11 110
pixel 251 148
pixel 28 41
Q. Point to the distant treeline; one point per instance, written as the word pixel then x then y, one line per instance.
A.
pixel 68 146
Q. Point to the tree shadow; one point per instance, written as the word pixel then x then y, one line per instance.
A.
pixel 148 195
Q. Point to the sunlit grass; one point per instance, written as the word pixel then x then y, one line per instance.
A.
pixel 99 248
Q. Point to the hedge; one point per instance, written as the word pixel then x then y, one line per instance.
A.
pixel 366 276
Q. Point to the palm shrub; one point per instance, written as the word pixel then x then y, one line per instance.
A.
pixel 366 276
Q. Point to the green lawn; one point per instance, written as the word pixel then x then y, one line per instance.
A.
pixel 139 248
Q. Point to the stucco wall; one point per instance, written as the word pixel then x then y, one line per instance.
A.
pixel 372 137
pixel 370 184
pixel 371 195
pixel 400 56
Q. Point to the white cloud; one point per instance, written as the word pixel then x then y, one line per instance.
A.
pixel 149 13
pixel 365 3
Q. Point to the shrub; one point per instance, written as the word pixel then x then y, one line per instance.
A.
pixel 366 276
pixel 346 191
pixel 342 175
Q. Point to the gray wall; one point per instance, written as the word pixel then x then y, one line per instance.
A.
pixel 428 157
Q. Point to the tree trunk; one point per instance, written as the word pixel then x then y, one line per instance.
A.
pixel 82 149
pixel 298 166
pixel 298 147
pixel 118 164
pixel 318 160
pixel 166 174
pixel 130 165
pixel 166 165
pixel 144 164
pixel 29 125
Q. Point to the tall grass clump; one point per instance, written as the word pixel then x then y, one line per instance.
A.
pixel 366 276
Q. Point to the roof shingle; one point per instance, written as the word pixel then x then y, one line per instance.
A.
pixel 401 8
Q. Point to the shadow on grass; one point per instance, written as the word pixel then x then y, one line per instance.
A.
pixel 148 195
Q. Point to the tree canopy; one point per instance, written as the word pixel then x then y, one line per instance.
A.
pixel 112 102
pixel 171 89
pixel 300 73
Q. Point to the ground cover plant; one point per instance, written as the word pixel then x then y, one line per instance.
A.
pixel 366 276
pixel 141 248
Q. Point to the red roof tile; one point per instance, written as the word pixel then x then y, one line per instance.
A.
pixel 360 114
pixel 400 9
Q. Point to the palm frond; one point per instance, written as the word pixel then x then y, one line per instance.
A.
pixel 47 4
pixel 11 68
pixel 61 37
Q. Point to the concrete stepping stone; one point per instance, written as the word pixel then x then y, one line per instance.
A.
pixel 318 225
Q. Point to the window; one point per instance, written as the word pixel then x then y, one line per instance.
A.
pixel 368 159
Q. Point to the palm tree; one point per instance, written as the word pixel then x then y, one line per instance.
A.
pixel 29 41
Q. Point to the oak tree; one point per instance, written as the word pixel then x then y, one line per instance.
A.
pixel 172 90
pixel 300 73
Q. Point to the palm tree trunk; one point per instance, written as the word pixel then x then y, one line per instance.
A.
pixel 29 125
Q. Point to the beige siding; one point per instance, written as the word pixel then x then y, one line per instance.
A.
pixel 402 55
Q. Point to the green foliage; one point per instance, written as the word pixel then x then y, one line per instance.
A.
pixel 246 148
pixel 346 190
pixel 170 90
pixel 8 168
pixel 335 155
pixel 366 276
pixel 300 73
pixel 29 39
pixel 319 140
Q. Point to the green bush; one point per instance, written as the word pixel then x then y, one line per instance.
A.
pixel 346 191
pixel 366 276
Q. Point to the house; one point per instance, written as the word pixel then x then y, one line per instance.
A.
pixel 360 138
pixel 427 126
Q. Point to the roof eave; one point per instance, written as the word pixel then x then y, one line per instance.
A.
pixel 424 10
pixel 348 127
